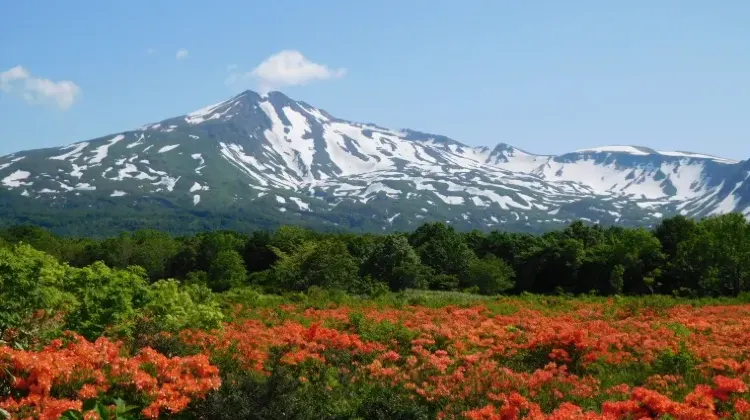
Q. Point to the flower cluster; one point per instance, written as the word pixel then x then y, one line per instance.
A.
pixel 522 362
pixel 507 359
pixel 67 372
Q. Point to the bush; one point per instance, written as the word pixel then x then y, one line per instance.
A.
pixel 491 275
pixel 107 299
pixel 30 281
pixel 227 270
pixel 173 307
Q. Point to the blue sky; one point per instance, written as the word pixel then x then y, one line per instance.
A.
pixel 545 76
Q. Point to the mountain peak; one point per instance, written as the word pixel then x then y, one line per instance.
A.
pixel 282 159
pixel 247 94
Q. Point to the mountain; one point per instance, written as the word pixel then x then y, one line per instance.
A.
pixel 257 161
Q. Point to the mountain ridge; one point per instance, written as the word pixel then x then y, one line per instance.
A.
pixel 281 157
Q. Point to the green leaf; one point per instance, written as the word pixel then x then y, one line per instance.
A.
pixel 123 408
pixel 102 410
pixel 89 404
pixel 68 415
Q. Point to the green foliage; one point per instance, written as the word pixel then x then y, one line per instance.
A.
pixel 106 298
pixel 30 280
pixel 442 281
pixel 289 238
pixel 394 262
pixel 680 362
pixel 173 307
pixel 257 252
pixel 150 249
pixel 679 257
pixel 327 393
pixel 715 259
pixel 381 332
pixel 121 411
pixel 325 264
pixel 490 275
pixel 442 249
pixel 616 279
pixel 226 270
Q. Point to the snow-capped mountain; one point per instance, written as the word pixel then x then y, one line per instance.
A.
pixel 284 160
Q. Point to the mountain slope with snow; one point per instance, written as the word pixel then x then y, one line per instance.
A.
pixel 284 161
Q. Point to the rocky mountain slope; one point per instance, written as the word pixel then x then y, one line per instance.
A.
pixel 270 159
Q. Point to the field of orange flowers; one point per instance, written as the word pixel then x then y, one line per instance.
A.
pixel 505 359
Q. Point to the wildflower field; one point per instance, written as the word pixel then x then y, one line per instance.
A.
pixel 506 358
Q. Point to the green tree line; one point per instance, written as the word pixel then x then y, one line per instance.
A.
pixel 680 256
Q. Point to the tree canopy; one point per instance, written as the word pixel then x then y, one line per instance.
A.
pixel 680 256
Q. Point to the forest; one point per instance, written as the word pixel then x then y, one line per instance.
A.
pixel 587 322
pixel 679 257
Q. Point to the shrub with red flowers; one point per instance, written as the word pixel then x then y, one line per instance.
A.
pixel 44 384
pixel 506 359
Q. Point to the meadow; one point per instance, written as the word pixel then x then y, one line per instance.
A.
pixel 409 355
pixel 588 322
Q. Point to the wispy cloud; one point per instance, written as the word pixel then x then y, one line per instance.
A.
pixel 285 68
pixel 39 91
pixel 151 51
pixel 182 54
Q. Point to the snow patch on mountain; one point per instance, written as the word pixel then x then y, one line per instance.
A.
pixel 201 115
pixel 297 152
pixel 137 142
pixel 211 112
pixel 301 204
pixel 729 203
pixel 201 162
pixel 166 149
pixel 12 161
pixel 449 199
pixel 198 187
pixel 697 156
pixel 75 153
pixel 14 180
pixel 614 149
pixel 100 153
pixel 167 182
pixel 85 186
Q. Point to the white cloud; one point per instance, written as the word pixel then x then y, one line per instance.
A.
pixel 36 90
pixel 182 54
pixel 286 68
